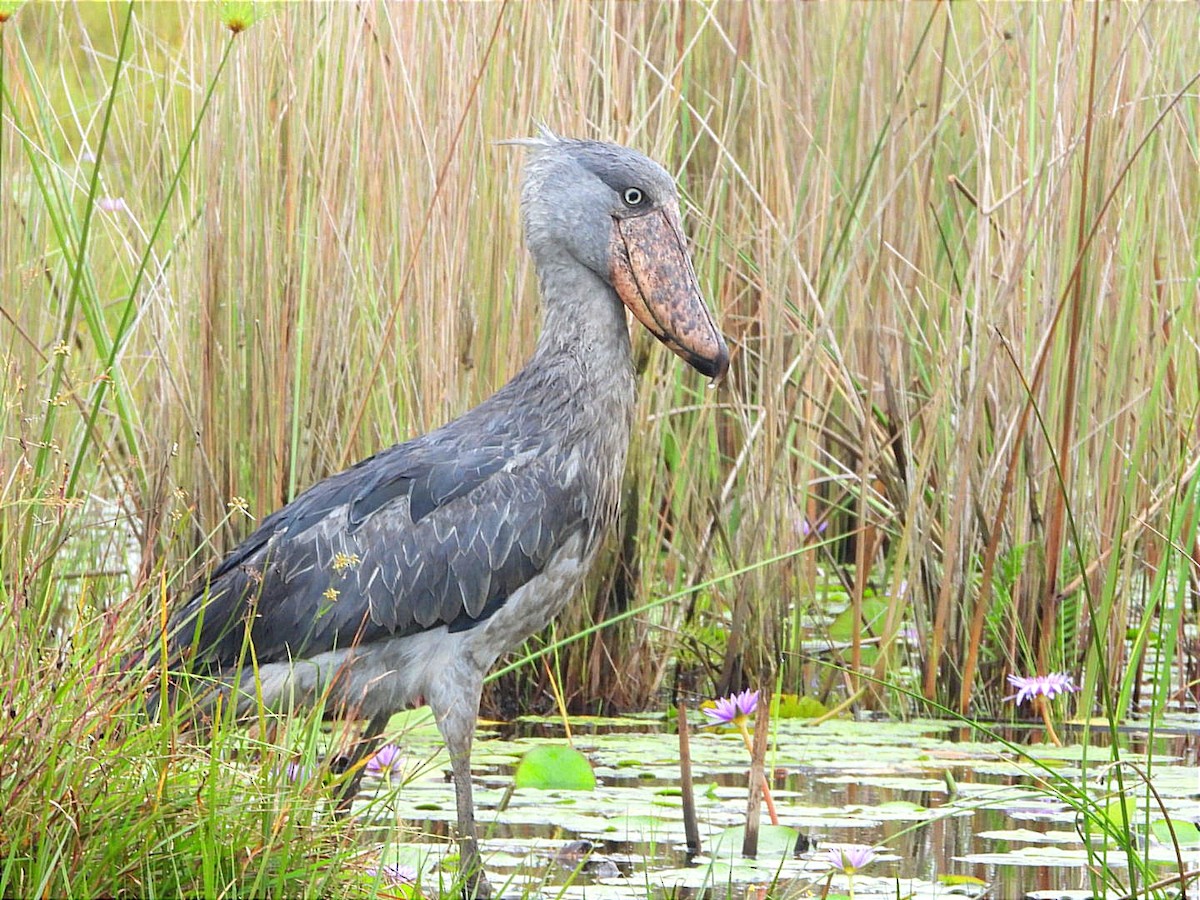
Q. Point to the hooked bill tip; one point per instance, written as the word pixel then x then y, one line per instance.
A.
pixel 715 366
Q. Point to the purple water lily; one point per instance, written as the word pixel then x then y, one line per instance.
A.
pixel 1048 686
pixel 851 857
pixel 387 761
pixel 732 709
pixel 1040 689
pixel 736 710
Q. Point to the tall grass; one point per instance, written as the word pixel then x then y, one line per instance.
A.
pixel 955 250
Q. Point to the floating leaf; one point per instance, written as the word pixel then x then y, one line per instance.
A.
pixel 952 880
pixel 1186 833
pixel 873 610
pixel 1029 836
pixel 774 841
pixel 1114 819
pixel 1121 811
pixel 793 706
pixel 901 806
pixel 1031 856
pixel 550 767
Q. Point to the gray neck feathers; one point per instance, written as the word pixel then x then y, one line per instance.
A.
pixel 580 384
pixel 584 320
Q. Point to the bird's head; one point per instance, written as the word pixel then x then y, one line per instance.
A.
pixel 616 212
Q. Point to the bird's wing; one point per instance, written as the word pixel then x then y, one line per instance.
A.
pixel 419 536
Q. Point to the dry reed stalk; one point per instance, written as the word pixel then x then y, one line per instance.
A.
pixel 691 826
pixel 1056 526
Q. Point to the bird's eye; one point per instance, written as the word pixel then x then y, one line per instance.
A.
pixel 633 197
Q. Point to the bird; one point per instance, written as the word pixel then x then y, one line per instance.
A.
pixel 400 581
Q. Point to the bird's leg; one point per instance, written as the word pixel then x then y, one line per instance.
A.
pixel 363 747
pixel 457 725
pixel 470 865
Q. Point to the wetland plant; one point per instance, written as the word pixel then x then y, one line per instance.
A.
pixel 1040 690
pixel 386 761
pixel 736 710
pixel 850 859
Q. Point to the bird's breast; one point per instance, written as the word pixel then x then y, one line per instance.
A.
pixel 535 603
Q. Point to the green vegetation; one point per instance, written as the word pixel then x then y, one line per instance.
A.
pixel 954 248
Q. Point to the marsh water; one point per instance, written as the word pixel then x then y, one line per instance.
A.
pixel 950 812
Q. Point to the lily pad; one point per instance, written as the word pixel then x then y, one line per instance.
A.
pixel 1186 833
pixel 954 880
pixel 1029 837
pixel 1036 856
pixel 793 706
pixel 774 841
pixel 550 767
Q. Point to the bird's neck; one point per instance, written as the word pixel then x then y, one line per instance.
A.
pixel 578 387
pixel 584 325
pixel 582 374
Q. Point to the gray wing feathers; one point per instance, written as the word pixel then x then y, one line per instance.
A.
pixel 367 554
